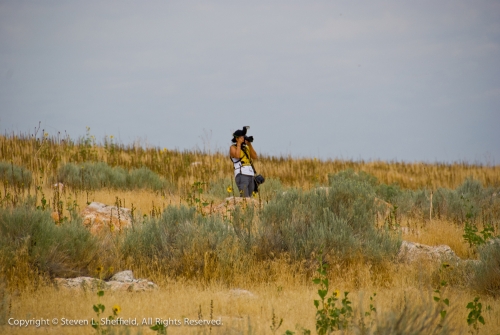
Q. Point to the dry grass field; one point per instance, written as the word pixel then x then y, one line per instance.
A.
pixel 240 314
pixel 263 280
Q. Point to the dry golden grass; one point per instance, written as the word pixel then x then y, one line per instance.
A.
pixel 240 311
pixel 43 156
pixel 143 201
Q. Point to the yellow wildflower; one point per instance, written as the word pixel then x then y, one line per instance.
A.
pixel 229 189
pixel 116 309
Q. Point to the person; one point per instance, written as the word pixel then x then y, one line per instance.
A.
pixel 242 153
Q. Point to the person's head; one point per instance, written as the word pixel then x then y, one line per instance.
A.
pixel 239 133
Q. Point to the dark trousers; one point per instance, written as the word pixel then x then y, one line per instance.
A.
pixel 245 185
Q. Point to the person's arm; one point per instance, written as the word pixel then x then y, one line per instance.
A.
pixel 253 154
pixel 235 151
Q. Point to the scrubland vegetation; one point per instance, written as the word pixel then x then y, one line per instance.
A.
pixel 316 229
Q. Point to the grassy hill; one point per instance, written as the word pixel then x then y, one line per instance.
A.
pixel 354 214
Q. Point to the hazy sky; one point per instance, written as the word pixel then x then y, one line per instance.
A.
pixel 390 80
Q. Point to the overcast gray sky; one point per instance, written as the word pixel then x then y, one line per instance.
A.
pixel 390 80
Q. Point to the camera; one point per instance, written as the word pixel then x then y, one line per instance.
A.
pixel 247 138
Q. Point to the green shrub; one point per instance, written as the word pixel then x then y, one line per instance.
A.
pixel 92 176
pixel 486 277
pixel 71 175
pixel 471 189
pixel 73 252
pixel 413 319
pixel 389 193
pixel 448 204
pixel 466 200
pixel 15 175
pixel 145 178
pixel 24 227
pixel 57 250
pixel 405 202
pixel 99 175
pixel 478 202
pixel 469 201
pixel 158 236
pixel 340 220
pixel 180 238
pixel 270 189
pixel 421 203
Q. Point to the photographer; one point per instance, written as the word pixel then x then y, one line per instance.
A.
pixel 242 153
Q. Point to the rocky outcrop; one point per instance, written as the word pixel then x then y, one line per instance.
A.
pixel 121 281
pixel 99 217
pixel 411 252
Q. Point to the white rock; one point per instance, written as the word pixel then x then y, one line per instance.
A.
pixel 411 252
pixel 124 276
pixel 121 281
pixel 98 217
